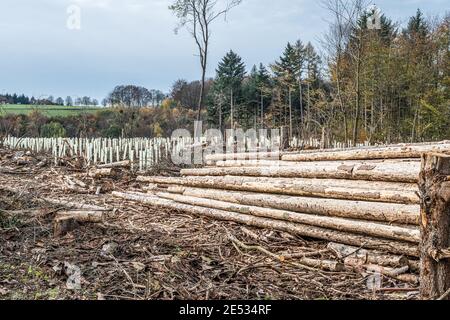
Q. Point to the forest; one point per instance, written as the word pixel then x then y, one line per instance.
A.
pixel 388 83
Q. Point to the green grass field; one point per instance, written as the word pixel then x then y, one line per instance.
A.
pixel 50 111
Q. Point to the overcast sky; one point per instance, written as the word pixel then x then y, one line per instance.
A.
pixel 133 41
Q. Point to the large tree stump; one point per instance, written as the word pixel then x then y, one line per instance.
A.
pixel 435 226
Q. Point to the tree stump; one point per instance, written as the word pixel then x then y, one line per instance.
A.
pixel 435 226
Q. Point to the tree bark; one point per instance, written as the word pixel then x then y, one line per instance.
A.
pixel 324 188
pixel 412 151
pixel 363 256
pixel 339 224
pixel 376 211
pixel 56 202
pixel 120 164
pixel 389 172
pixel 68 221
pixel 99 173
pixel 435 225
pixel 268 163
pixel 397 247
pixel 244 156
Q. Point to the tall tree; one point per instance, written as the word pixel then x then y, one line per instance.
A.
pixel 230 74
pixel 69 101
pixel 197 16
pixel 286 71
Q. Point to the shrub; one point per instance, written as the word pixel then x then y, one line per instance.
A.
pixel 53 130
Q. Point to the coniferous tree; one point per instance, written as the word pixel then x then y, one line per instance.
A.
pixel 230 75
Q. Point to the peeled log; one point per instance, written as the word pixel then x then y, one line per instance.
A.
pixel 391 172
pixel 324 188
pixel 412 151
pixel 244 156
pixel 75 205
pixel 380 211
pixel 346 225
pixel 120 164
pixel 99 173
pixel 176 189
pixel 65 222
pixel 367 257
pixel 268 163
pixel 83 216
pixel 397 247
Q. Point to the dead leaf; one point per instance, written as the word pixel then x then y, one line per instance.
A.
pixel 3 291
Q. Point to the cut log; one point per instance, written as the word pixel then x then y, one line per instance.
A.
pixel 413 151
pixel 99 173
pixel 379 211
pixel 391 172
pixel 435 226
pixel 151 187
pixel 327 265
pixel 68 221
pixel 346 225
pixel 393 246
pixel 176 189
pixel 120 164
pixel 244 156
pixel 75 205
pixel 398 274
pixel 56 202
pixel 269 163
pixel 364 256
pixel 324 188
pixel 84 216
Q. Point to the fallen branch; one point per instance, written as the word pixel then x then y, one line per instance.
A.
pixel 392 246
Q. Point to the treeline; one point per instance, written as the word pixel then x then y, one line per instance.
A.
pixel 108 122
pixel 382 83
pixel 132 96
pixel 376 82
pixel 50 100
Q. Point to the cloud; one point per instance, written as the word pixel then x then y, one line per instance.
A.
pixel 132 41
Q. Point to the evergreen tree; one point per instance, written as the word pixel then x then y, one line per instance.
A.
pixel 287 72
pixel 227 89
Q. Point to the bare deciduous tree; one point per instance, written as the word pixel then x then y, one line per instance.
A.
pixel 197 16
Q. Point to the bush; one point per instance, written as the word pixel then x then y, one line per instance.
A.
pixel 53 130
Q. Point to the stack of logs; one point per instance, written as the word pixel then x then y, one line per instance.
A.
pixel 365 201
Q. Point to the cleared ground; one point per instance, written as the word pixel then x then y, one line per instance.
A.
pixel 143 252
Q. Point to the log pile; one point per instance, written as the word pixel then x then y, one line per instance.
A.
pixel 366 201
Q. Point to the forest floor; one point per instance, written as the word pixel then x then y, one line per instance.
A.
pixel 142 252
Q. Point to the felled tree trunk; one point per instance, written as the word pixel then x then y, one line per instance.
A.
pixel 68 221
pixel 346 225
pixel 244 156
pixel 393 246
pixel 435 226
pixel 100 173
pixel 412 151
pixel 377 211
pixel 391 172
pixel 268 163
pixel 120 164
pixel 324 188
